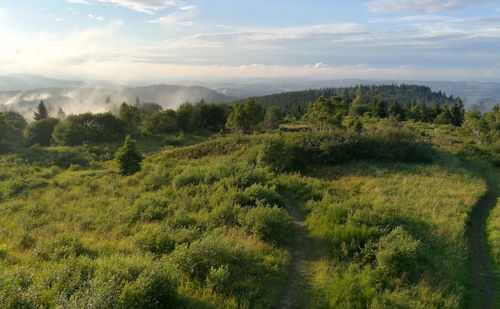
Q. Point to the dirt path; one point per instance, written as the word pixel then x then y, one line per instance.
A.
pixel 299 283
pixel 482 284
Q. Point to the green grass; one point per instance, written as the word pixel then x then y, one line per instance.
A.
pixel 204 225
pixel 358 205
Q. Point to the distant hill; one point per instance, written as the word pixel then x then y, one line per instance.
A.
pixel 97 98
pixel 481 95
pixel 296 102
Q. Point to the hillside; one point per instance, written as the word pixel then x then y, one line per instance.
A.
pixel 212 225
pixel 223 206
pixel 296 102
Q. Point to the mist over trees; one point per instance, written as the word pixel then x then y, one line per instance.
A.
pixel 324 113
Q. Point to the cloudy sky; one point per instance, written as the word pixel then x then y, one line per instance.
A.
pixel 146 40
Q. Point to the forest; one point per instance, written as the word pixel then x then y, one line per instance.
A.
pixel 361 197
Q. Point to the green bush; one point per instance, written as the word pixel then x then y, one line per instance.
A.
pixel 156 239
pixel 397 252
pixel 152 289
pixel 338 147
pixel 274 154
pixel 267 223
pixel 61 247
pixel 128 157
pixel 149 207
pixel 40 132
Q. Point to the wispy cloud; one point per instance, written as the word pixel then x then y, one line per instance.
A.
pixel 145 6
pixel 80 47
pixel 99 18
pixel 426 6
pixel 259 38
pixel 78 2
pixel 182 17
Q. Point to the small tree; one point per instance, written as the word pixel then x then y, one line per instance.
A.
pixel 40 132
pixel 245 117
pixel 16 124
pixel 326 114
pixel 445 117
pixel 457 113
pixel 42 112
pixel 397 111
pixel 272 118
pixel 131 118
pixel 128 157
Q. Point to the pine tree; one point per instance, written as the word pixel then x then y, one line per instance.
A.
pixel 457 113
pixel 128 157
pixel 42 112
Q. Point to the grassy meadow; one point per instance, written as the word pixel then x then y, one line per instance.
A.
pixel 212 223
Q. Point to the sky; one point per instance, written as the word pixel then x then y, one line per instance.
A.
pixel 165 40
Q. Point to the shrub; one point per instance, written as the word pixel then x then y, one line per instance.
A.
pixel 218 279
pixel 397 252
pixel 189 176
pixel 155 239
pixel 264 194
pixel 149 207
pixel 152 289
pixel 274 154
pixel 128 157
pixel 348 240
pixel 339 147
pixel 267 223
pixel 61 247
pixel 197 259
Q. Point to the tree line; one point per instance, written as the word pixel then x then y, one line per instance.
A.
pixel 149 119
pixel 295 104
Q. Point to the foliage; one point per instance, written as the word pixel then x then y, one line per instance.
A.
pixel 128 157
pixel 164 122
pixel 42 112
pixel 130 117
pixel 483 129
pixel 268 223
pixel 84 128
pixel 245 116
pixel 16 124
pixel 208 225
pixel 295 103
pixel 326 114
pixel 40 132
pixel 272 118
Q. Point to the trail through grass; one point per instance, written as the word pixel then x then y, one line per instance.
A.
pixel 482 284
pixel 296 293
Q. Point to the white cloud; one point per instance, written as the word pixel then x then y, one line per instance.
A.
pixel 416 18
pixel 182 17
pixel 427 6
pixel 78 2
pixel 53 51
pixel 99 18
pixel 58 19
pixel 253 38
pixel 145 6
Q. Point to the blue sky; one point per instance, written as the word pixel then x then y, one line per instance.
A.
pixel 146 40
